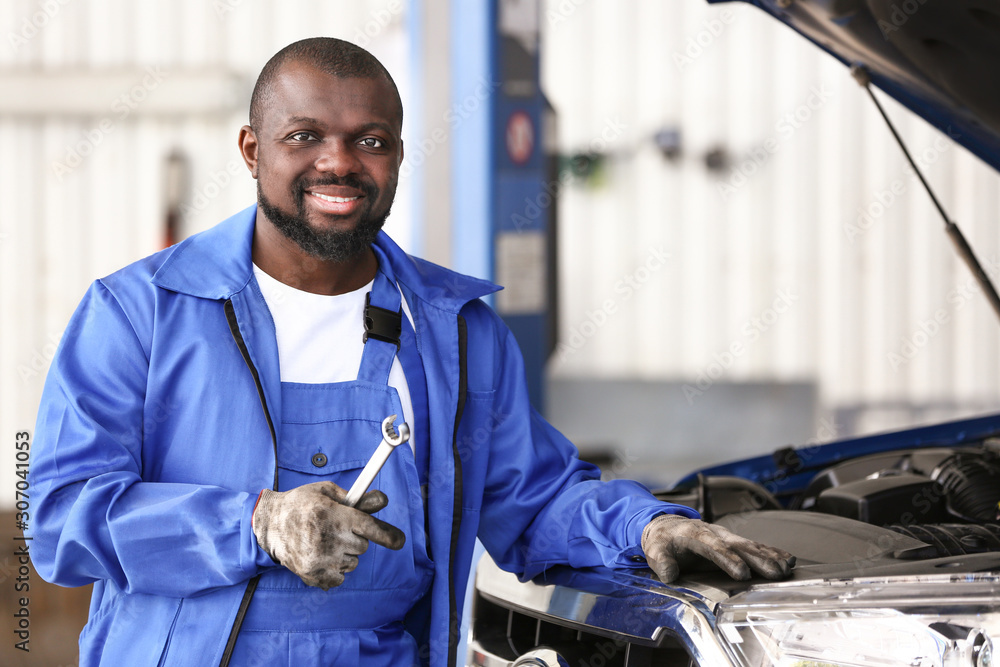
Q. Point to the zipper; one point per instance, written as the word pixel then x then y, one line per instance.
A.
pixel 456 516
pixel 234 328
pixel 453 629
pixel 234 632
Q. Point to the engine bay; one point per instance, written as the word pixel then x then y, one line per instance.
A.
pixel 947 498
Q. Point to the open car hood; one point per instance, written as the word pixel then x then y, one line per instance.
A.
pixel 939 58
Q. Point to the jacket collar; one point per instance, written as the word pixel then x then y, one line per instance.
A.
pixel 216 264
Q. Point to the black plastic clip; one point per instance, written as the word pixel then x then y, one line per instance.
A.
pixel 381 323
pixel 787 460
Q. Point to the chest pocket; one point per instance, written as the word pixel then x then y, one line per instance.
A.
pixel 328 433
pixel 322 438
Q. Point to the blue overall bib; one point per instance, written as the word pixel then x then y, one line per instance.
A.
pixel 328 432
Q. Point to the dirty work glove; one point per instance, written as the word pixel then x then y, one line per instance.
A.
pixel 311 532
pixel 671 541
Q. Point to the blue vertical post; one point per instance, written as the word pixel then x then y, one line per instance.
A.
pixel 500 209
pixel 470 117
pixel 491 233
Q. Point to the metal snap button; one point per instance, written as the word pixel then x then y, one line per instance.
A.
pixel 319 460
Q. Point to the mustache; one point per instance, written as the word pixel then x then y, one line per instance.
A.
pixel 350 181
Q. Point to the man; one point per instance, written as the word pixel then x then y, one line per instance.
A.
pixel 210 404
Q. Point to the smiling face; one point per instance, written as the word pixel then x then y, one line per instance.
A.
pixel 326 156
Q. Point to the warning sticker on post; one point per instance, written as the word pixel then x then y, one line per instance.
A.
pixel 520 137
pixel 520 268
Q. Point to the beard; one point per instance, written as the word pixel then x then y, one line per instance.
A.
pixel 327 245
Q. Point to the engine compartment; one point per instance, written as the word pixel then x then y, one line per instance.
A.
pixel 856 520
pixel 947 498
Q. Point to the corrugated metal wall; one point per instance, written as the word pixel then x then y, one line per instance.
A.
pixel 82 192
pixel 814 255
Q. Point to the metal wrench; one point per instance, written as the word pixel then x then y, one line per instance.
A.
pixel 391 438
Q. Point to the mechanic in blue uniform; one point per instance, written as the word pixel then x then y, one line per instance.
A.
pixel 209 404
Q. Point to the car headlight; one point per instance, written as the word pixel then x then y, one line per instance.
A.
pixel 930 621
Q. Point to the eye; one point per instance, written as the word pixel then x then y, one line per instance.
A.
pixel 372 142
pixel 301 136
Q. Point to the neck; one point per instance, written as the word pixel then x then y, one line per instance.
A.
pixel 283 260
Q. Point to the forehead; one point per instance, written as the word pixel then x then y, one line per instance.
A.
pixel 303 91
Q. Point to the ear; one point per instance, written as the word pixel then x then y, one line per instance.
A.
pixel 248 148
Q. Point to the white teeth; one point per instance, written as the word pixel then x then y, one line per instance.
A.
pixel 339 200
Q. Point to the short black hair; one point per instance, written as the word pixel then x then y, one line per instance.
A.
pixel 327 54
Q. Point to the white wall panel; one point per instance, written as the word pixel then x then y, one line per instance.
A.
pixel 727 75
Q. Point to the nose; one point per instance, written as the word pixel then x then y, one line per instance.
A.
pixel 339 158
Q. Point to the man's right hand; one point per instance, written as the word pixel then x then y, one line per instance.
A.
pixel 314 534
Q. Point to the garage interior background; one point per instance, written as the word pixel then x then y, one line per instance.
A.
pixel 744 260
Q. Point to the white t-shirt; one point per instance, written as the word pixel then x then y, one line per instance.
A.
pixel 320 337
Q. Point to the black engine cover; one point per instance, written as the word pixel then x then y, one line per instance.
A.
pixel 901 498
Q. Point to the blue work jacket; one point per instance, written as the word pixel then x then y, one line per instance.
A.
pixel 159 424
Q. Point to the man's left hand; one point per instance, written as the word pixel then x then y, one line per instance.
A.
pixel 669 541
